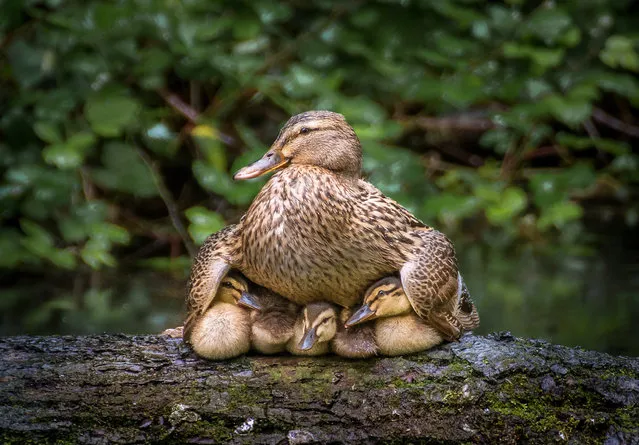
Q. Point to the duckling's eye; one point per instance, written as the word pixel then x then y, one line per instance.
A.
pixel 226 284
pixel 382 293
pixel 305 130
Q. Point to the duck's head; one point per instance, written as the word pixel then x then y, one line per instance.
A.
pixel 316 138
pixel 234 289
pixel 384 298
pixel 319 324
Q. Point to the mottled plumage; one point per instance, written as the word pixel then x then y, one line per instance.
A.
pixel 316 231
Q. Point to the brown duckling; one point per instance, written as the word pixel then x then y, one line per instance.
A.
pixel 314 329
pixel 356 341
pixel 272 319
pixel 320 329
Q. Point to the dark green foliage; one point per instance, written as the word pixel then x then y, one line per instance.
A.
pixel 122 121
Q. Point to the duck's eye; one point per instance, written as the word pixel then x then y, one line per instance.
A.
pixel 305 130
pixel 226 284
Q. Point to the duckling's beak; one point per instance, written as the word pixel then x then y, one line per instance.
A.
pixel 249 301
pixel 309 340
pixel 272 160
pixel 363 313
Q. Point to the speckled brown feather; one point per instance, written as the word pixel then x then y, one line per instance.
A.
pixel 316 231
pixel 210 266
pixel 312 235
pixel 467 311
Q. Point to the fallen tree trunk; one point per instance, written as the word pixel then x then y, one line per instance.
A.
pixel 126 389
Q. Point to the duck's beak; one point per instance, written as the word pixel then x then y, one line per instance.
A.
pixel 249 301
pixel 309 340
pixel 363 313
pixel 271 161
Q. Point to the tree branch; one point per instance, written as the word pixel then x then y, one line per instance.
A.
pixel 601 116
pixel 151 389
pixel 169 202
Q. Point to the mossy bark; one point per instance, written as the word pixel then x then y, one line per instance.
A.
pixel 152 389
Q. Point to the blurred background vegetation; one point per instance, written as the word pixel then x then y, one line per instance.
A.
pixel 511 126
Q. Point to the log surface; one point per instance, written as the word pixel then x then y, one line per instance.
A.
pixel 153 389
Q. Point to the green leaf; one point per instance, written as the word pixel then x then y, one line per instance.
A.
pixel 246 27
pixel 109 115
pixel 70 154
pixel 559 214
pixel 543 58
pixel 48 132
pixel 203 223
pixel 125 171
pixel 620 52
pixel 548 24
pixel 512 202
pixel 13 253
pixel 210 145
pixel 95 253
pixel 571 111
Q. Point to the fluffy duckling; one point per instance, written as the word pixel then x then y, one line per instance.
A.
pixel 356 341
pixel 224 330
pixel 398 329
pixel 314 329
pixel 272 319
pixel 320 329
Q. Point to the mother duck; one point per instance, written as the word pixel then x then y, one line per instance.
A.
pixel 318 232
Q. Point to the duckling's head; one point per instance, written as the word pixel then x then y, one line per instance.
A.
pixel 319 324
pixel 234 289
pixel 318 138
pixel 384 298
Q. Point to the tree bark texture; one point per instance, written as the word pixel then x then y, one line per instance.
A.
pixel 153 389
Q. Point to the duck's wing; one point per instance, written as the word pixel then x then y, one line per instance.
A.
pixel 210 266
pixel 431 281
pixel 467 311
pixel 384 211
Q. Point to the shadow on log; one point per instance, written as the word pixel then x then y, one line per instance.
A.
pixel 152 389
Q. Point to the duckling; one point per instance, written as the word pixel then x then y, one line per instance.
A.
pixel 314 329
pixel 317 332
pixel 398 330
pixel 224 330
pixel 356 341
pixel 272 319
pixel 317 232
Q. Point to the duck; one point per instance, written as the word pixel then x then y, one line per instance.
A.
pixel 398 329
pixel 320 329
pixel 272 319
pixel 223 331
pixel 317 231
pixel 314 329
pixel 356 341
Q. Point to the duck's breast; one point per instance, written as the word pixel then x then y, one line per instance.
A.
pixel 307 237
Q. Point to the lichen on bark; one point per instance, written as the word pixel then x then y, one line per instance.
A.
pixel 152 389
